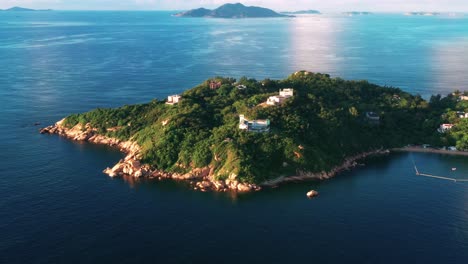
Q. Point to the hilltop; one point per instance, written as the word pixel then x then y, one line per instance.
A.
pixel 22 9
pixel 240 135
pixel 231 11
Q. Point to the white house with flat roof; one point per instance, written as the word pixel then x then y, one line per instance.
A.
pixel 279 99
pixel 445 127
pixel 461 114
pixel 173 99
pixel 275 100
pixel 287 92
pixel 259 125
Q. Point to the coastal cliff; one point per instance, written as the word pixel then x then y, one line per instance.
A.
pixel 131 166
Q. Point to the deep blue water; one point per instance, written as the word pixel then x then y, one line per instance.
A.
pixel 57 206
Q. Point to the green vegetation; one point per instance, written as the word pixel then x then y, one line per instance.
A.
pixel 315 130
pixel 231 11
pixel 448 110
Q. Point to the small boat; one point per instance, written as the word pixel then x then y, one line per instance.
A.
pixel 454 169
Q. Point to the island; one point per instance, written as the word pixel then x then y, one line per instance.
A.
pixel 357 13
pixel 231 11
pixel 22 9
pixel 422 14
pixel 244 135
pixel 302 12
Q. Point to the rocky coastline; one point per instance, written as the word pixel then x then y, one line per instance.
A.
pixel 201 179
pixel 348 164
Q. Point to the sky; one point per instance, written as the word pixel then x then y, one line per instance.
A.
pixel 278 5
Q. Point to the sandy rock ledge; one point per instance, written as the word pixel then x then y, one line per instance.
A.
pixel 200 178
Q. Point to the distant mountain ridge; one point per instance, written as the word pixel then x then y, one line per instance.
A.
pixel 231 11
pixel 422 13
pixel 357 13
pixel 302 12
pixel 22 9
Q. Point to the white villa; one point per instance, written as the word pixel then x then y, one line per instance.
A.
pixel 445 127
pixel 464 97
pixel 462 114
pixel 241 87
pixel 275 100
pixel 173 99
pixel 288 92
pixel 260 125
pixel 279 99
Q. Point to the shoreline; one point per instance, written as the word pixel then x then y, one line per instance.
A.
pixel 200 179
pixel 430 150
pixel 348 164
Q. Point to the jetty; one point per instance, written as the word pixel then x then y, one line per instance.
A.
pixel 418 173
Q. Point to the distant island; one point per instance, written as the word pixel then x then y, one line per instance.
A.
pixel 422 14
pixel 356 13
pixel 231 11
pixel 22 9
pixel 303 12
pixel 243 135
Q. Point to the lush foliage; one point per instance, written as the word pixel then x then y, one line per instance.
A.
pixel 313 131
pixel 449 110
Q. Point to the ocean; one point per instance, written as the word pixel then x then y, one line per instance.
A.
pixel 56 205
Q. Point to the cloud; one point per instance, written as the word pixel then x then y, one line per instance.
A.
pixel 329 5
pixel 338 5
pixel 10 3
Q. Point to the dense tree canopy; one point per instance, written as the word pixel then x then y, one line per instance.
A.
pixel 315 130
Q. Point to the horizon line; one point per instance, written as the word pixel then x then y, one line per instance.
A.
pixel 279 11
pixel 276 10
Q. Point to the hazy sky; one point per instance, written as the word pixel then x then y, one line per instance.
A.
pixel 279 5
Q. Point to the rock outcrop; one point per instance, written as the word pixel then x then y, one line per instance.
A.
pixel 202 179
pixel 312 194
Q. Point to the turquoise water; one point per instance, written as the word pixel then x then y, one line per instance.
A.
pixel 57 206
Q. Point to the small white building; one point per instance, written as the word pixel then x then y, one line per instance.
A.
pixel 287 92
pixel 275 100
pixel 445 127
pixel 259 125
pixel 462 115
pixel 173 99
pixel 279 99
pixel 241 87
pixel 464 97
